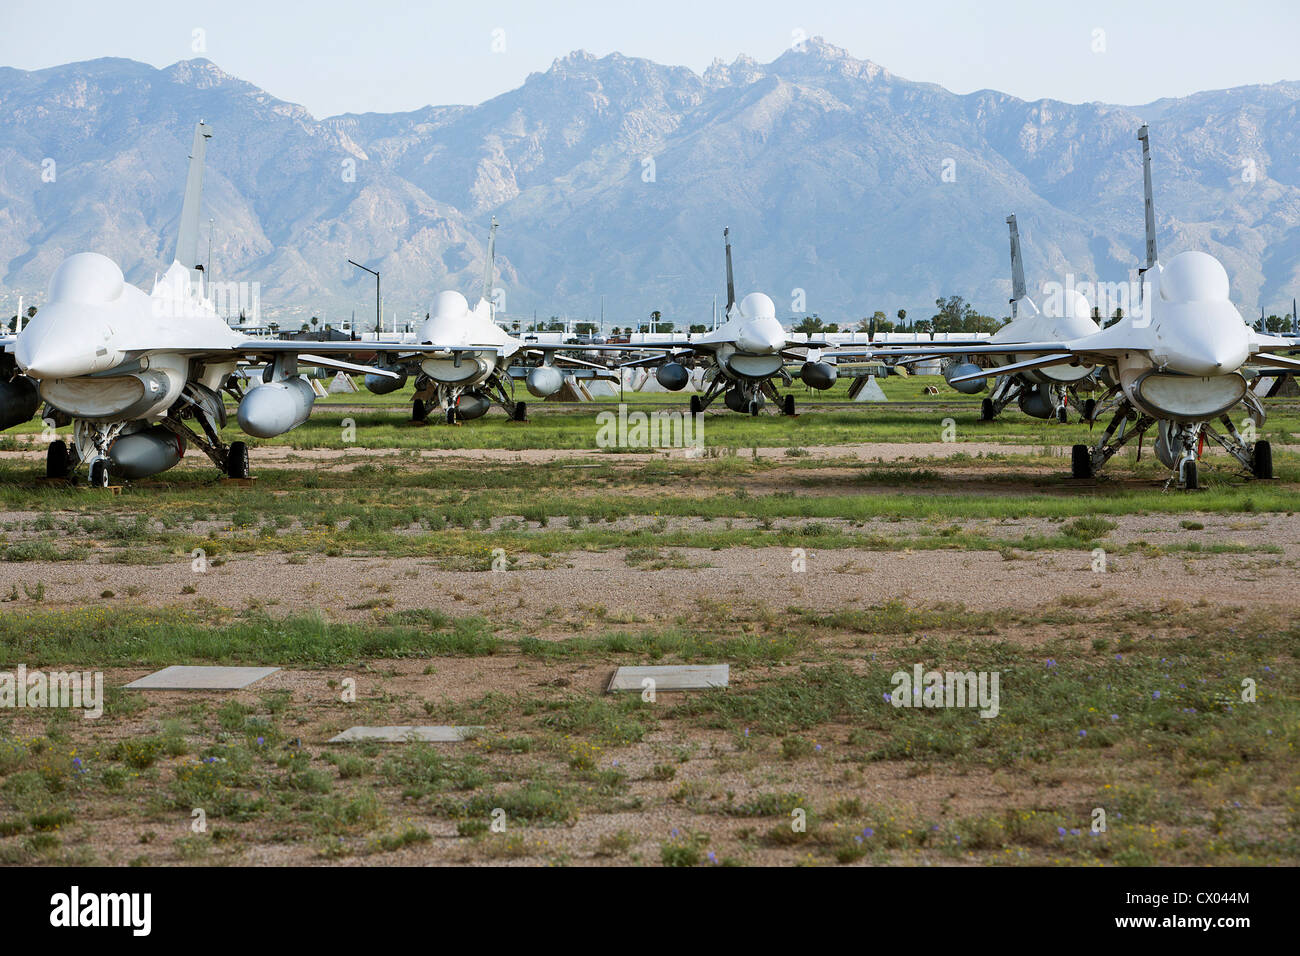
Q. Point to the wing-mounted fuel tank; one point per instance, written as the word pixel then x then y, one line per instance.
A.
pixel 673 376
pixel 276 407
pixel 544 380
pixel 819 375
pixel 383 384
pixel 953 369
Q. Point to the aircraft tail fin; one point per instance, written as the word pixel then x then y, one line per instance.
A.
pixel 490 265
pixel 187 243
pixel 1018 289
pixel 731 281
pixel 1148 198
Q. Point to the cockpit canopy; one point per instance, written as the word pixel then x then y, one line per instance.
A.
pixel 1194 277
pixel 87 277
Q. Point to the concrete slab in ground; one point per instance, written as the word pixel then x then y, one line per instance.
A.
pixel 398 735
pixel 671 677
pixel 185 677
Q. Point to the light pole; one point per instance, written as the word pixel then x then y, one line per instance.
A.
pixel 379 316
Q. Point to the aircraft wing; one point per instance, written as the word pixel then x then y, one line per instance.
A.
pixel 571 359
pixel 1042 361
pixel 1264 342
pixel 334 354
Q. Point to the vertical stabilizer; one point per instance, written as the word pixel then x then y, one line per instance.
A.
pixel 1017 267
pixel 490 265
pixel 1148 199
pixel 187 243
pixel 731 281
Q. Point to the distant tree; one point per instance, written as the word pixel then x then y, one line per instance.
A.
pixel 1276 323
pixel 902 317
pixel 31 312
pixel 698 328
pixel 315 321
pixel 555 325
pixel 666 326
pixel 810 324
pixel 585 328
pixel 955 314
pixel 1119 314
pixel 13 324
pixel 876 322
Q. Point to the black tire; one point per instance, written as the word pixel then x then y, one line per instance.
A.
pixel 1191 480
pixel 787 406
pixel 1089 409
pixel 520 412
pixel 99 473
pixel 451 415
pixel 986 410
pixel 1062 415
pixel 753 408
pixel 697 406
pixel 57 460
pixel 1081 461
pixel 419 412
pixel 1261 460
pixel 237 460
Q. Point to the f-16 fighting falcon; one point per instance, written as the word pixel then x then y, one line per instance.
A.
pixel 141 375
pixel 1042 392
pixel 465 358
pixel 1177 363
pixel 741 357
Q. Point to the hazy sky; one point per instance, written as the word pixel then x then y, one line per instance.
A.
pixel 338 56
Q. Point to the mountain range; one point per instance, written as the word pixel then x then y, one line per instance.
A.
pixel 613 178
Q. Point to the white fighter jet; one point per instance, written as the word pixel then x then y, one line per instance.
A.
pixel 1044 392
pixel 741 357
pixel 137 373
pixel 1177 363
pixel 463 366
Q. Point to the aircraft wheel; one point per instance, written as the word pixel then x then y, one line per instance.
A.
pixel 1089 409
pixel 986 410
pixel 1062 415
pixel 237 460
pixel 753 408
pixel 1261 461
pixel 99 473
pixel 451 415
pixel 1191 480
pixel 419 412
pixel 1081 462
pixel 697 406
pixel 56 460
pixel 521 412
pixel 787 406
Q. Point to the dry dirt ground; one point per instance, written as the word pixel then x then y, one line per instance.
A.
pixel 666 795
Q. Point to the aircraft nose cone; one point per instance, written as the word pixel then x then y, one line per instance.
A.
pixel 761 337
pixel 1211 355
pixel 45 356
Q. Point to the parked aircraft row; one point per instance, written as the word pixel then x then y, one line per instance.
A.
pixel 141 377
